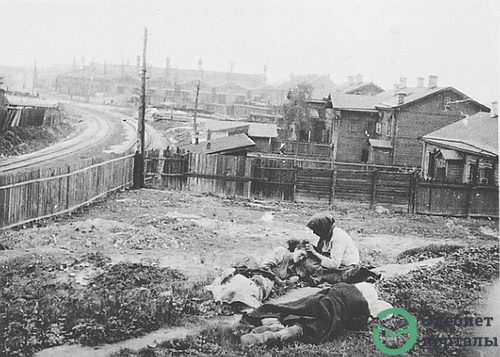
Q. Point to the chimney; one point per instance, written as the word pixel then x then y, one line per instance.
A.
pixel 401 97
pixel 420 82
pixel 494 110
pixel 209 135
pixel 208 146
pixel 350 79
pixel 433 81
pixel 402 82
pixel 359 78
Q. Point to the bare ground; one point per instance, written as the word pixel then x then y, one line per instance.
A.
pixel 201 234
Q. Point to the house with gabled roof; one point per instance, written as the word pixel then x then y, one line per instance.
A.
pixel 355 85
pixel 463 152
pixel 387 130
pixel 405 118
pixel 237 145
pixel 347 126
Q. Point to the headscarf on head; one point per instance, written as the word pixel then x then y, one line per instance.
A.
pixel 322 223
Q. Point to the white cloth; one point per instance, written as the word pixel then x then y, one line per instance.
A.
pixel 239 288
pixel 341 249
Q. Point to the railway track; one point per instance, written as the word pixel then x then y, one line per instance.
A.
pixel 97 129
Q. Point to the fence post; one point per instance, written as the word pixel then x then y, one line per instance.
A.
pixel 68 180
pixel 248 175
pixel 374 188
pixel 138 170
pixel 411 193
pixel 468 196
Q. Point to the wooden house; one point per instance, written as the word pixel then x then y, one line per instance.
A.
pixel 405 118
pixel 387 130
pixel 463 152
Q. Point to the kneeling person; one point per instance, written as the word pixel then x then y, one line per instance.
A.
pixel 336 253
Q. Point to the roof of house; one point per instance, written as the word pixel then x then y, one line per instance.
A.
pixel 382 144
pixel 391 102
pixel 222 145
pixel 477 134
pixel 352 87
pixel 352 102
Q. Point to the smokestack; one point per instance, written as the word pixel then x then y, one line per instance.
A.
pixel 433 81
pixel 420 82
pixel 359 78
pixel 402 82
pixel 401 97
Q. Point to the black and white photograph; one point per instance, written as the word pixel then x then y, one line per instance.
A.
pixel 249 178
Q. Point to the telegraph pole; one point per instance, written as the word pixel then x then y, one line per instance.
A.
pixel 195 113
pixel 141 126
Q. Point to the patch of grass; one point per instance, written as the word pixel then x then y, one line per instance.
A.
pixel 427 252
pixel 451 288
pixel 40 307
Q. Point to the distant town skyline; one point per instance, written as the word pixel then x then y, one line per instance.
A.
pixel 383 39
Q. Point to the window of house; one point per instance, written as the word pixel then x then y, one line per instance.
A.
pixel 351 127
pixel 472 174
pixel 447 103
pixel 370 128
pixel 440 173
pixel 364 155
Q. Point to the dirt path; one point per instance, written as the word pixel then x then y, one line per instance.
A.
pixel 152 339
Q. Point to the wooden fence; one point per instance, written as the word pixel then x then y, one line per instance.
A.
pixel 280 178
pixel 451 199
pixel 42 193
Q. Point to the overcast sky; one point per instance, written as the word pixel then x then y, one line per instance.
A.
pixel 382 39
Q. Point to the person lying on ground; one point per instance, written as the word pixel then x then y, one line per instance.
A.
pixel 313 319
pixel 250 281
pixel 337 257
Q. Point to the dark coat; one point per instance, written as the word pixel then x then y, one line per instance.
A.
pixel 323 316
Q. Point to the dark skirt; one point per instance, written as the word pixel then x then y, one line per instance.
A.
pixel 322 316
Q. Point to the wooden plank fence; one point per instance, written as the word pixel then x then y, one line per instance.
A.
pixel 279 178
pixel 43 193
pixel 452 199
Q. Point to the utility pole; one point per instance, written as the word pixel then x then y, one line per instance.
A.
pixel 139 157
pixel 195 113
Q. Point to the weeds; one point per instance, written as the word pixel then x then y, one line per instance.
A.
pixel 41 308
